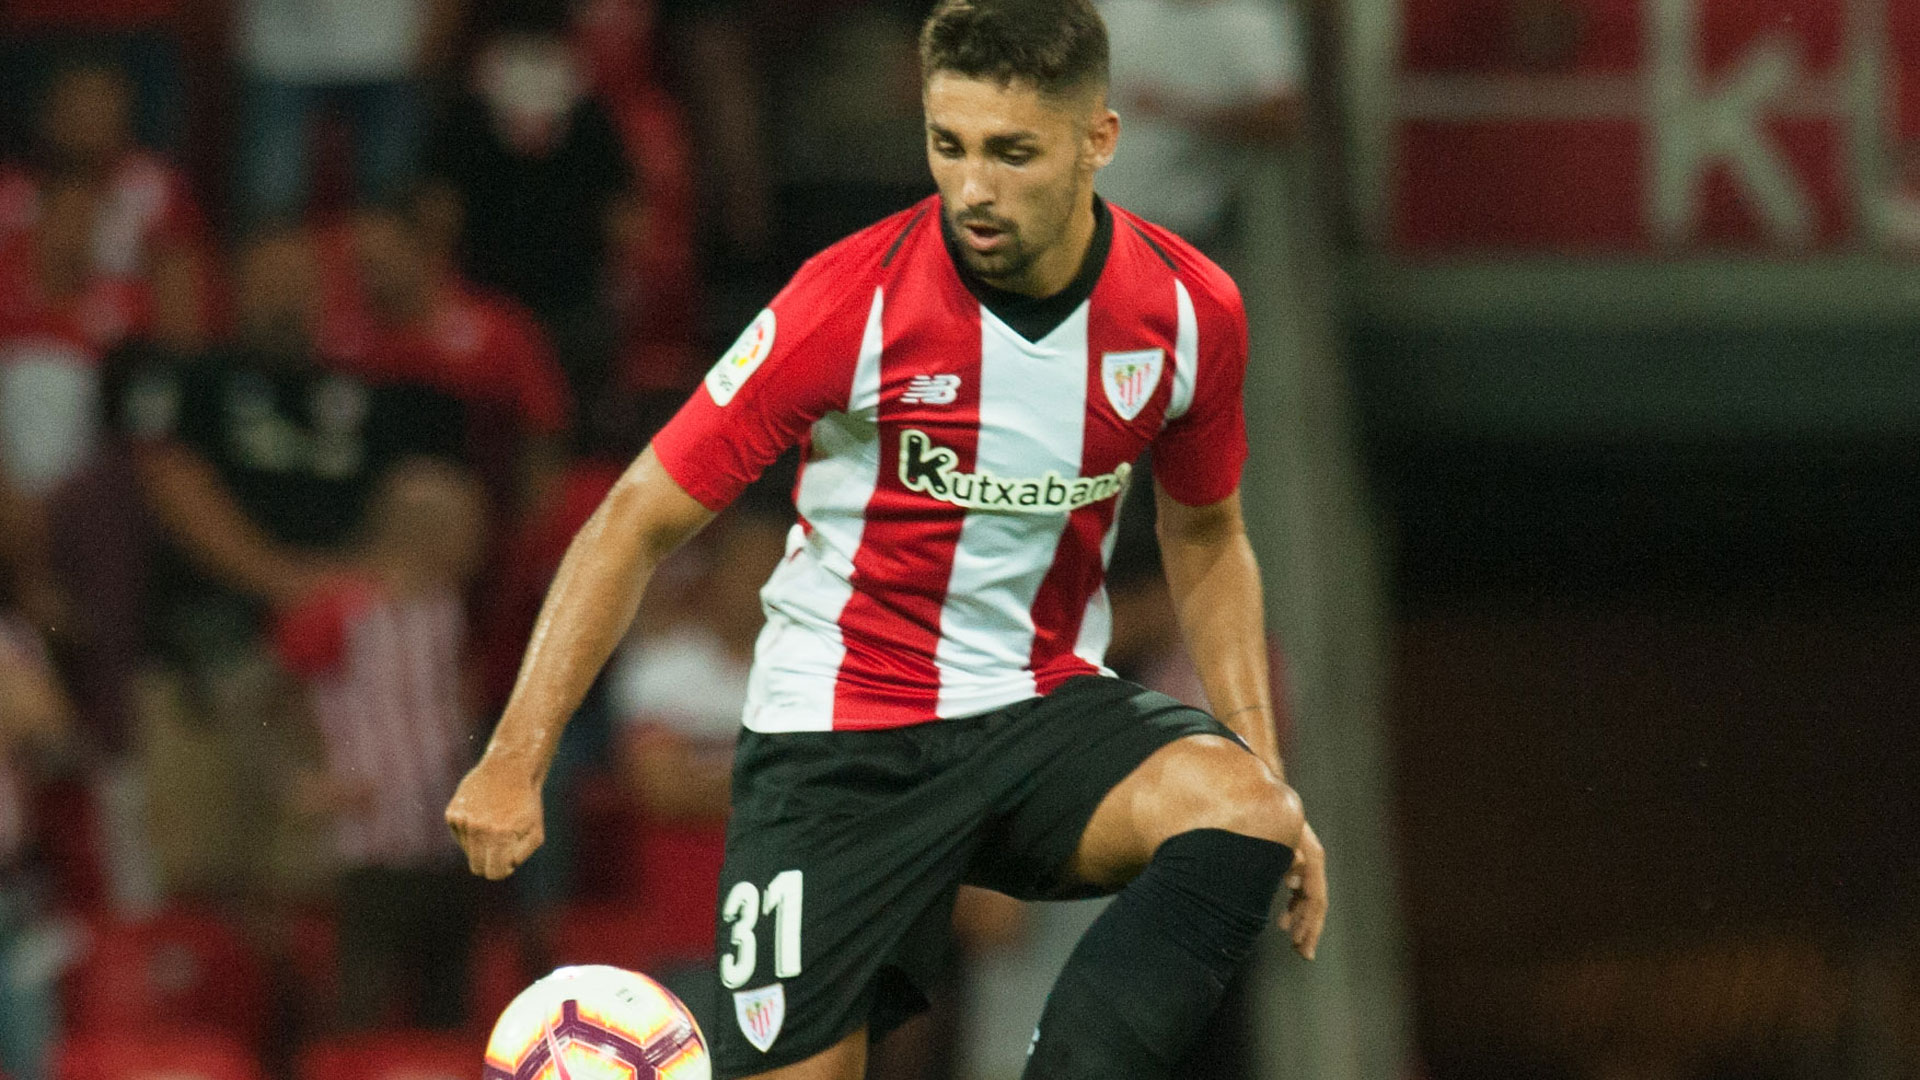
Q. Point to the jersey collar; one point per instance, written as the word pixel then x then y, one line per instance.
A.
pixel 1034 317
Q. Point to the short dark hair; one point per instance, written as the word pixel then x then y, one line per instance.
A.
pixel 1058 45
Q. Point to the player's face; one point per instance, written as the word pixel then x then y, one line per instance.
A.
pixel 1013 166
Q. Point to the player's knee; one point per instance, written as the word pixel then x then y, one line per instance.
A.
pixel 1217 784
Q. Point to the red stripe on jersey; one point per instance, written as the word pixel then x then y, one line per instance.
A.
pixel 891 625
pixel 1078 567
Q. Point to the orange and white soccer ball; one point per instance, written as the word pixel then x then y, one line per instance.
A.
pixel 596 1023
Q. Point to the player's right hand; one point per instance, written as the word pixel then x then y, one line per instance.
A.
pixel 496 817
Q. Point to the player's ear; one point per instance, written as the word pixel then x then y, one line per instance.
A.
pixel 1103 137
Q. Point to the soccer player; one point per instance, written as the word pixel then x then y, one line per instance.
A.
pixel 970 381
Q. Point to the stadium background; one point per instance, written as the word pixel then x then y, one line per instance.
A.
pixel 1585 409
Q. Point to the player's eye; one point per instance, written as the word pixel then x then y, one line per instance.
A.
pixel 1016 157
pixel 948 150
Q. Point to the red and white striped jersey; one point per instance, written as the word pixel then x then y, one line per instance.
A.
pixel 960 479
pixel 384 682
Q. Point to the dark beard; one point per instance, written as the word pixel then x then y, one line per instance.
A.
pixel 1001 268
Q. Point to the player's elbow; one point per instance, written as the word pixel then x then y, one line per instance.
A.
pixel 648 506
pixel 1180 525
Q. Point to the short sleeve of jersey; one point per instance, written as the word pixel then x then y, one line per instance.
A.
pixel 792 366
pixel 1198 456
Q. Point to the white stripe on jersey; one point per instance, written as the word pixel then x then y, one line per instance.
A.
pixel 796 661
pixel 1096 626
pixel 1032 421
pixel 1186 355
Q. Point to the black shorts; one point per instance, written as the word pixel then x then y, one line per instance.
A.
pixel 846 849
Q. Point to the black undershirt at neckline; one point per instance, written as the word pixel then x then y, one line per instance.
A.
pixel 1034 317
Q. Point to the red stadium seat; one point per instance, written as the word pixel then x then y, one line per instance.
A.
pixel 69 818
pixel 606 811
pixel 605 933
pixel 394 1055
pixel 313 955
pixel 179 970
pixel 180 1055
pixel 498 974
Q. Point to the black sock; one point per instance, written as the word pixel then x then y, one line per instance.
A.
pixel 1150 971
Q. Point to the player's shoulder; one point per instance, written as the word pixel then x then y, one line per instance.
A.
pixel 1213 290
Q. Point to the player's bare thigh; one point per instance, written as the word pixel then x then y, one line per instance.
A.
pixel 844 1060
pixel 1198 782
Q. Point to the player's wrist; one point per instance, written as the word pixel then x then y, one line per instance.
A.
pixel 515 760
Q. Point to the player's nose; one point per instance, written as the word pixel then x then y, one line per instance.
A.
pixel 976 186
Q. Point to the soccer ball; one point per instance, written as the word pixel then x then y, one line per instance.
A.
pixel 602 1023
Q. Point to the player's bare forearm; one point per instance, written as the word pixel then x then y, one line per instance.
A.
pixel 1217 598
pixel 591 602
pixel 495 814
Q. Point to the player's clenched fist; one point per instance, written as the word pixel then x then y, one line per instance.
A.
pixel 496 818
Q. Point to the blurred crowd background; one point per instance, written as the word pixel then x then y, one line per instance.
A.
pixel 1585 404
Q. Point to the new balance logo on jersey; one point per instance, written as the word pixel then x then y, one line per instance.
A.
pixel 932 469
pixel 931 390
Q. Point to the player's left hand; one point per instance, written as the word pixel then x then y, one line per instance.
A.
pixel 1306 912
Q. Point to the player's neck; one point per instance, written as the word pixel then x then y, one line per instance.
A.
pixel 1056 269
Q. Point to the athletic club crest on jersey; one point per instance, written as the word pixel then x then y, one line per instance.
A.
pixel 761 1013
pixel 1130 378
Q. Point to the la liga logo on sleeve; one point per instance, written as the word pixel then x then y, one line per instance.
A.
pixel 742 359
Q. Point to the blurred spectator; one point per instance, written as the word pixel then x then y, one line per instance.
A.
pixel 529 163
pixel 657 296
pixel 718 71
pixel 140 37
pixel 397 314
pixel 366 62
pixel 58 316
pixel 848 143
pixel 383 652
pixel 34 717
pixel 258 466
pixel 1194 81
pixel 147 225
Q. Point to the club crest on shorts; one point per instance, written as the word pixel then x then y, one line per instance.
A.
pixel 1130 378
pixel 761 1012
